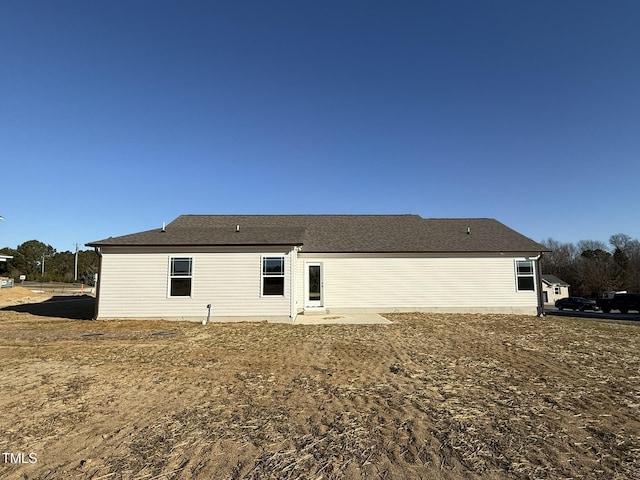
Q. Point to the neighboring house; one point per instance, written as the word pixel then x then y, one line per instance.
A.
pixel 5 282
pixel 275 267
pixel 553 288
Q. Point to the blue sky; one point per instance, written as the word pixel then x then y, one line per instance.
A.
pixel 118 115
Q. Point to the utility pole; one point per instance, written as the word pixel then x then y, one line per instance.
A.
pixel 75 270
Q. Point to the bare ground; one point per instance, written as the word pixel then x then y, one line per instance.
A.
pixel 431 396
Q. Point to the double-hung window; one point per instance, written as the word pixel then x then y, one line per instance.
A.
pixel 524 275
pixel 181 276
pixel 272 276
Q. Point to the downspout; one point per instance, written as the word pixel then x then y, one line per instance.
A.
pixel 541 312
pixel 292 288
pixel 98 283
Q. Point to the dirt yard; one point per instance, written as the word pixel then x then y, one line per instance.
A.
pixel 430 397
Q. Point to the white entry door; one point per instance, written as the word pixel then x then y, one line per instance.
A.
pixel 313 291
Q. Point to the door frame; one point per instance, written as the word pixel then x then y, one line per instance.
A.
pixel 313 303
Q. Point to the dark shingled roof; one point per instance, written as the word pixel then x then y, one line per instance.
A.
pixel 336 233
pixel 553 280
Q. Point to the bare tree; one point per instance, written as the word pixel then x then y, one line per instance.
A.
pixel 561 261
pixel 597 271
pixel 560 255
pixel 620 240
pixel 586 245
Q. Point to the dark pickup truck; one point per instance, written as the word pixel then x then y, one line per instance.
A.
pixel 620 301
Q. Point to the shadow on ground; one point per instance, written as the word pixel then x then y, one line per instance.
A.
pixel 79 307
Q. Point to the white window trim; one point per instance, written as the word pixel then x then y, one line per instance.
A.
pixel 531 275
pixel 170 277
pixel 283 276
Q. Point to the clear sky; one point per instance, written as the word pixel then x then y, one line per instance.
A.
pixel 118 115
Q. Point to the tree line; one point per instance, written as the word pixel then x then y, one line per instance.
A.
pixel 41 262
pixel 592 267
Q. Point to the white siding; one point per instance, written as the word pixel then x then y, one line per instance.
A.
pixel 135 285
pixel 552 296
pixel 463 284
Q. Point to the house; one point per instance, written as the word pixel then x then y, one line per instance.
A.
pixel 275 267
pixel 5 282
pixel 553 288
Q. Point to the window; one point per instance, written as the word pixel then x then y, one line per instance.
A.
pixel 180 278
pixel 556 290
pixel 524 275
pixel 273 276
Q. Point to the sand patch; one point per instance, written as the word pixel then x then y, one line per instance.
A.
pixel 17 295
